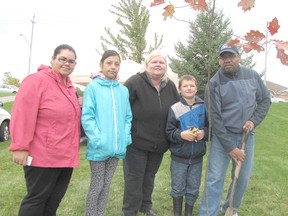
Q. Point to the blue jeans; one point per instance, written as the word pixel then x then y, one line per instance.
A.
pixel 185 180
pixel 217 168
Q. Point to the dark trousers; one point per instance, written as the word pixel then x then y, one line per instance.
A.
pixel 45 189
pixel 140 168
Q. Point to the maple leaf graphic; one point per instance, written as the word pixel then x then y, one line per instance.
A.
pixel 157 2
pixel 246 4
pixel 197 4
pixel 247 47
pixel 273 26
pixel 169 11
pixel 282 56
pixel 254 36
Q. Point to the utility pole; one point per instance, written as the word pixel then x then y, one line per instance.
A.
pixel 30 44
pixel 266 54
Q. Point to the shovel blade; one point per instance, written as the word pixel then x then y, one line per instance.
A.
pixel 229 211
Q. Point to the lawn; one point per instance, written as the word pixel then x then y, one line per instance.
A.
pixel 266 195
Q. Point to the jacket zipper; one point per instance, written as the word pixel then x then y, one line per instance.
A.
pixel 115 120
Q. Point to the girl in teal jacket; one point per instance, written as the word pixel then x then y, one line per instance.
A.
pixel 106 119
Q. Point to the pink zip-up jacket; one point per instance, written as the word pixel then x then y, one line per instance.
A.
pixel 45 120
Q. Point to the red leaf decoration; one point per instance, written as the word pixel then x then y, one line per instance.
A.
pixel 254 36
pixel 157 2
pixel 197 4
pixel 273 26
pixel 282 56
pixel 252 46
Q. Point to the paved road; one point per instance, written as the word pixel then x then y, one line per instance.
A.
pixel 7 99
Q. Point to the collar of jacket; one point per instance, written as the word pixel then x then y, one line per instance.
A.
pixel 198 100
pixel 233 74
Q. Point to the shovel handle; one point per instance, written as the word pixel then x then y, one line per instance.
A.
pixel 229 211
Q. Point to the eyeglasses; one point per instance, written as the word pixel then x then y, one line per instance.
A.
pixel 63 60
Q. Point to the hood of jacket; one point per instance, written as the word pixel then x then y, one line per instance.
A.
pixel 101 75
pixel 105 82
pixel 47 70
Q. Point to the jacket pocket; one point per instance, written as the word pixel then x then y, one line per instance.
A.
pixel 199 149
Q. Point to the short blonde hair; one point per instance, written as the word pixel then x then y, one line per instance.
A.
pixel 150 56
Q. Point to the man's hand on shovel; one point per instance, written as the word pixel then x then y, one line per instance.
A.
pixel 249 125
pixel 238 155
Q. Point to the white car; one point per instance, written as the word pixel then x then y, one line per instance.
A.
pixel 8 88
pixel 4 123
pixel 275 99
pixel 81 87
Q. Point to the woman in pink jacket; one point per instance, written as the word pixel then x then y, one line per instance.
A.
pixel 45 127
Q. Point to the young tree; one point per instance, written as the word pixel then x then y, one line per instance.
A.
pixel 133 19
pixel 193 58
pixel 9 80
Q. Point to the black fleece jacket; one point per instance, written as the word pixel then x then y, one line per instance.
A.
pixel 150 111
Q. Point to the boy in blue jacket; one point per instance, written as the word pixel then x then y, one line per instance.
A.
pixel 187 132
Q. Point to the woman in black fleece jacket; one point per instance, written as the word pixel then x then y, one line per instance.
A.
pixel 151 95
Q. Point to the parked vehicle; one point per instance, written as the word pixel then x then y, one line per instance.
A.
pixel 4 123
pixel 275 99
pixel 4 88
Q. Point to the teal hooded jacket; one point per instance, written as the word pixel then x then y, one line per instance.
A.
pixel 106 119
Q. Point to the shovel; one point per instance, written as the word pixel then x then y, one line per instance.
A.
pixel 229 211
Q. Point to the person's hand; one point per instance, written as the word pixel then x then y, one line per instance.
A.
pixel 188 135
pixel 237 155
pixel 248 126
pixel 200 135
pixel 80 101
pixel 20 157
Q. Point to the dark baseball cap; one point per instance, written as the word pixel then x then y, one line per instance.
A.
pixel 226 48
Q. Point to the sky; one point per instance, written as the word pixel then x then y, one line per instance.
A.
pixel 81 23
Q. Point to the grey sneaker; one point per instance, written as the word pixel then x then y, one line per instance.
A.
pixel 235 213
pixel 149 212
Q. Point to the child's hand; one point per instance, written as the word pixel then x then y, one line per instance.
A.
pixel 200 135
pixel 188 135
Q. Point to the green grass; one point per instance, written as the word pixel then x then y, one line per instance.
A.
pixel 266 194
pixel 6 94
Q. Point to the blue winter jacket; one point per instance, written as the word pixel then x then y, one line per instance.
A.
pixel 106 119
pixel 180 117
pixel 234 99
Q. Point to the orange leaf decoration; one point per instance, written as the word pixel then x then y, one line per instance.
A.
pixel 169 11
pixel 246 4
pixel 254 36
pixel 157 2
pixel 273 26
pixel 197 4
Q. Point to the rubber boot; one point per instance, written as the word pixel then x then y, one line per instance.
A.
pixel 177 206
pixel 188 210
